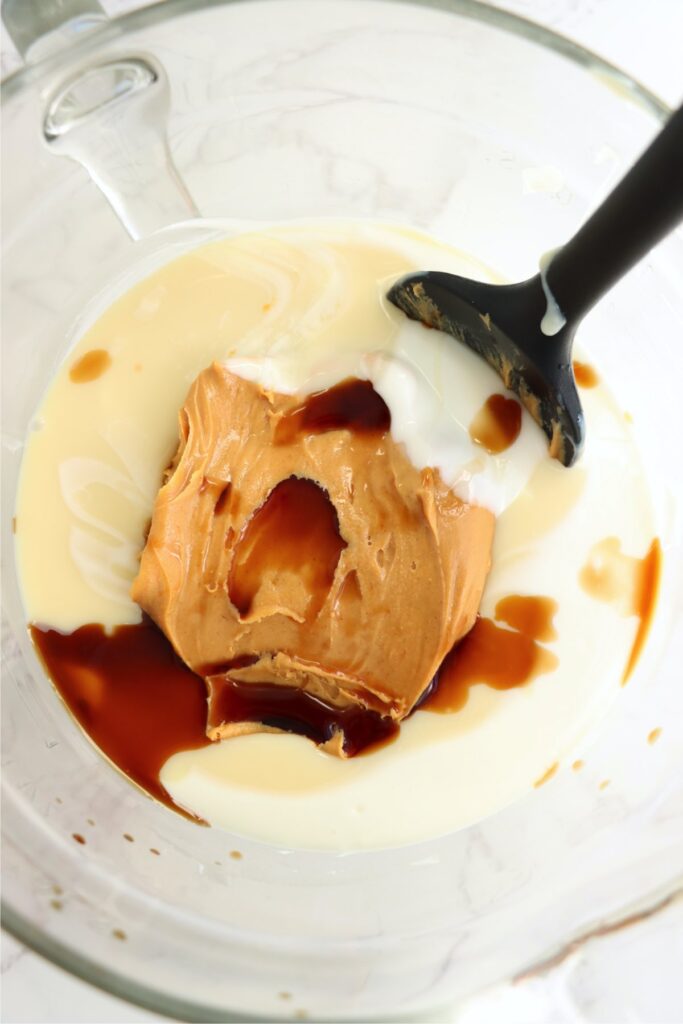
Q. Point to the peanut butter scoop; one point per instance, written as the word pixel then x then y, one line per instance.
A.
pixel 293 544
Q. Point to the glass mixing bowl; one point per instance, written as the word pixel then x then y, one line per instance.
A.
pixel 497 136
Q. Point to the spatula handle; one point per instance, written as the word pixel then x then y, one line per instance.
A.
pixel 642 209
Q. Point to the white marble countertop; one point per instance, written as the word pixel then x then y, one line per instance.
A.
pixel 627 974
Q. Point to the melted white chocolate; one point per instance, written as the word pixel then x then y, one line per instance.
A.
pixel 299 309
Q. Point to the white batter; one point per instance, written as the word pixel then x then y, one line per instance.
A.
pixel 299 309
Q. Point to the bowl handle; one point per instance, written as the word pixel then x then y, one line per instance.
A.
pixel 109 114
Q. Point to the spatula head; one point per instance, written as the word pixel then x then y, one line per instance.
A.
pixel 502 323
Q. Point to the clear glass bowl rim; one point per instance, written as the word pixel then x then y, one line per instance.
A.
pixel 24 931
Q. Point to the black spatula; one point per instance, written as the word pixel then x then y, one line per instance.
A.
pixel 526 331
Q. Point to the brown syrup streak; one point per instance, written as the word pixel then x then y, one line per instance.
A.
pixel 293 710
pixel 90 366
pixel 131 694
pixel 501 658
pixel 645 600
pixel 140 704
pixel 532 616
pixel 631 584
pixel 497 424
pixel 352 405
pixel 584 375
pixel 296 531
